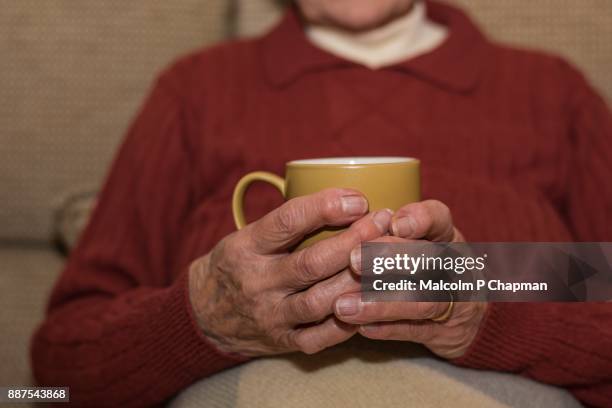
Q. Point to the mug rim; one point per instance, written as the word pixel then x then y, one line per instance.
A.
pixel 352 161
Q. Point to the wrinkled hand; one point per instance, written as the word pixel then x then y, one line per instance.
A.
pixel 411 321
pixel 253 297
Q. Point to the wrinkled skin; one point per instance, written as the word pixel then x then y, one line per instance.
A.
pixel 252 296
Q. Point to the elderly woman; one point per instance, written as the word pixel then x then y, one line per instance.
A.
pixel 162 291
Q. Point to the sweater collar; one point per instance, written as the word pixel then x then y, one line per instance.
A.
pixel 455 65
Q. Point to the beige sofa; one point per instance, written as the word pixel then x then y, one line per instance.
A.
pixel 73 74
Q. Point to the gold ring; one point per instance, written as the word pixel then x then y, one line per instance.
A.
pixel 447 313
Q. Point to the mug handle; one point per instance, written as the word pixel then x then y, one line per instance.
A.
pixel 243 184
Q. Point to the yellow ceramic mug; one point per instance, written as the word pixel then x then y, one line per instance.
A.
pixel 387 182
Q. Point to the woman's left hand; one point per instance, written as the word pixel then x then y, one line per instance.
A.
pixel 446 329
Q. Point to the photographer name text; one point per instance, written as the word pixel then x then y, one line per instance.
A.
pixel 440 285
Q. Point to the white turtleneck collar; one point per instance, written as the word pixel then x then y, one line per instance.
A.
pixel 401 39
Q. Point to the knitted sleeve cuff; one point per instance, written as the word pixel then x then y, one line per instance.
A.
pixel 511 337
pixel 193 353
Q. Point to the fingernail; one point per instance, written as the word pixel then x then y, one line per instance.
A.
pixel 356 258
pixel 403 227
pixel 347 306
pixel 382 219
pixel 354 205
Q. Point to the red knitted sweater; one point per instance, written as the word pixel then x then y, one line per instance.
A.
pixel 515 142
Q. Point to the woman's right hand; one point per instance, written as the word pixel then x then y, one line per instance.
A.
pixel 252 297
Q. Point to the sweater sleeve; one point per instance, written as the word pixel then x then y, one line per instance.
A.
pixel 119 329
pixel 564 344
pixel 588 205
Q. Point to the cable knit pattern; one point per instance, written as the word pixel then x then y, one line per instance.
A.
pixel 515 142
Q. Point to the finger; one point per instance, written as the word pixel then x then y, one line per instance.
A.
pixel 289 223
pixel 325 258
pixel 349 308
pixel 317 302
pixel 355 256
pixel 430 220
pixel 316 338
pixel 419 332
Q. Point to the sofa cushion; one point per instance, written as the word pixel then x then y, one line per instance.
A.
pixel 72 218
pixel 72 76
pixel 27 275
pixel 364 373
